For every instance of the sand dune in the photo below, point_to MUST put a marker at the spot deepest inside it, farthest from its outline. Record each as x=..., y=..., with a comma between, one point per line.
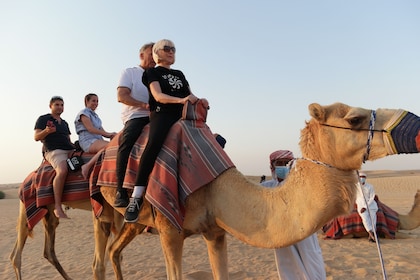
x=143, y=259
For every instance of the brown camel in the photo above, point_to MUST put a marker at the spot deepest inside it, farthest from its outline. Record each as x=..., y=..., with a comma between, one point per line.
x=102, y=231
x=321, y=185
x=332, y=153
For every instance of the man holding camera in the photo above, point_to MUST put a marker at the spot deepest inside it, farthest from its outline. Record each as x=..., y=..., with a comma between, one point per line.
x=54, y=133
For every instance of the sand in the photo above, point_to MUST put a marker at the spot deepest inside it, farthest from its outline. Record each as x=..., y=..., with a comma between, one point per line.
x=143, y=258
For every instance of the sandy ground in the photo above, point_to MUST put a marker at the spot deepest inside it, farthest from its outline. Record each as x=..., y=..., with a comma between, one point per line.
x=143, y=258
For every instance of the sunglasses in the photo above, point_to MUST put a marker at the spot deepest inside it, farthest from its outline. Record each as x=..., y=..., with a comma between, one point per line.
x=168, y=49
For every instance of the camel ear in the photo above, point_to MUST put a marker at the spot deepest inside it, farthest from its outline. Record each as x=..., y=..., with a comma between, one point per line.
x=317, y=112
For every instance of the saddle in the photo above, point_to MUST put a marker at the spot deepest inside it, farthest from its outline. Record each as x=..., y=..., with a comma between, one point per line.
x=190, y=158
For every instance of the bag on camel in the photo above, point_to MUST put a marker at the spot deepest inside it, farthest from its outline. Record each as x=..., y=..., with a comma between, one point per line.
x=75, y=162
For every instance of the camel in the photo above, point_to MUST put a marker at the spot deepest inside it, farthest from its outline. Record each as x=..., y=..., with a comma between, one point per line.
x=335, y=142
x=109, y=223
x=333, y=145
x=408, y=221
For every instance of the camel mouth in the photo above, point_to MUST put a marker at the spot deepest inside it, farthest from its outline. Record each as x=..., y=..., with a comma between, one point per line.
x=403, y=134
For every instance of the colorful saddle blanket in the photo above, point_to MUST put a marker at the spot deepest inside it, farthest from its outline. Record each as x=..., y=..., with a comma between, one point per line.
x=190, y=158
x=36, y=191
x=386, y=223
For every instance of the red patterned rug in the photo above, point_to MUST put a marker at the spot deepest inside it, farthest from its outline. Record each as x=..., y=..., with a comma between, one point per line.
x=386, y=224
x=36, y=191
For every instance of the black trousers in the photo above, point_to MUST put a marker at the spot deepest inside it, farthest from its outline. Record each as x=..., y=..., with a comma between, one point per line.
x=130, y=134
x=160, y=124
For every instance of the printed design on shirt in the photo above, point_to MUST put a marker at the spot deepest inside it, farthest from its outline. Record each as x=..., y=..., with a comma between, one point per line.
x=174, y=81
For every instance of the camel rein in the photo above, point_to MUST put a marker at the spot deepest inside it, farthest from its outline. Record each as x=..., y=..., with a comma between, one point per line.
x=371, y=130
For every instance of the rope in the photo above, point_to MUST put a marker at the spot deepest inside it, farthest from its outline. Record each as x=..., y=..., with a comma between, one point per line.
x=370, y=134
x=316, y=162
x=370, y=130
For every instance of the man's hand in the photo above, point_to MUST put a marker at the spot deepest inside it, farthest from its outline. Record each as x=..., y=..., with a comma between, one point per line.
x=50, y=128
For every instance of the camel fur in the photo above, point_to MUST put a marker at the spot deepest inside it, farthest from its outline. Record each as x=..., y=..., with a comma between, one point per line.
x=320, y=186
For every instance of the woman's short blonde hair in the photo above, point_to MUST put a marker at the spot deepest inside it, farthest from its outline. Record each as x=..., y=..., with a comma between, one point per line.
x=159, y=46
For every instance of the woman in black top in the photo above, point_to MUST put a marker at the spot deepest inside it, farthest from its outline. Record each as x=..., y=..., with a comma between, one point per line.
x=168, y=91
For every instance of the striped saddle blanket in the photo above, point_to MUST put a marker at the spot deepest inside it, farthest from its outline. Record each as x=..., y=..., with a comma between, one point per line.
x=36, y=191
x=386, y=223
x=189, y=159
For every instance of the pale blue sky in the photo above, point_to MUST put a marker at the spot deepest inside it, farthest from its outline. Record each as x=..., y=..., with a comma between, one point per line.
x=259, y=63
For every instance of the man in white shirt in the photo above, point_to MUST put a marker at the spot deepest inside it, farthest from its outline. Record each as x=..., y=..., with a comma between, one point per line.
x=134, y=96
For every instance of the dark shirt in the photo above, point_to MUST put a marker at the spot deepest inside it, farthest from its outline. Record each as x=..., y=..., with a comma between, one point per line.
x=57, y=140
x=172, y=82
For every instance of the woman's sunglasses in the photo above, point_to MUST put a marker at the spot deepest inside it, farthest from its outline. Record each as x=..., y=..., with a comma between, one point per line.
x=168, y=49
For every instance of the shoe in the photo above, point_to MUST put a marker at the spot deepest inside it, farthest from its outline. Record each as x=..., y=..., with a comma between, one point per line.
x=133, y=209
x=121, y=199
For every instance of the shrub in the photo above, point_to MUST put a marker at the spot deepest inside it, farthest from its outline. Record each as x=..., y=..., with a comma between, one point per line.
x=2, y=195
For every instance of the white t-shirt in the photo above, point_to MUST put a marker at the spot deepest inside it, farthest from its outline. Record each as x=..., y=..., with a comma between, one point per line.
x=132, y=78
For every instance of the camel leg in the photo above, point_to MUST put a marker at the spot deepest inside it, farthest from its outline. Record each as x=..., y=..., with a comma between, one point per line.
x=50, y=224
x=172, y=242
x=101, y=230
x=217, y=251
x=22, y=234
x=125, y=236
x=118, y=223
x=109, y=222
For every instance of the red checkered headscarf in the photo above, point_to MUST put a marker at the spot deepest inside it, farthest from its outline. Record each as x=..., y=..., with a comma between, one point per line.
x=281, y=154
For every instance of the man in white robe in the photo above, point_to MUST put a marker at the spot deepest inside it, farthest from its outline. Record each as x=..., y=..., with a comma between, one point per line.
x=366, y=205
x=302, y=260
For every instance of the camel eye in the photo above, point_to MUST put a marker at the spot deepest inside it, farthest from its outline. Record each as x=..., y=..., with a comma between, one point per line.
x=355, y=121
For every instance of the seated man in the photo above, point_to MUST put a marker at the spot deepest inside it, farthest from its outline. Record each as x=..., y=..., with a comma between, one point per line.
x=365, y=199
x=54, y=133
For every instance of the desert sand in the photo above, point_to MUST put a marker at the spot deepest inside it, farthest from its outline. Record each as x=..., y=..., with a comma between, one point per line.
x=348, y=258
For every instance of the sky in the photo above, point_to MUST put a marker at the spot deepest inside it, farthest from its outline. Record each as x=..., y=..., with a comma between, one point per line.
x=258, y=63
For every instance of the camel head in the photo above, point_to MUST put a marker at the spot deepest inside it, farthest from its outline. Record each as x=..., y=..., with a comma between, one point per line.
x=345, y=136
